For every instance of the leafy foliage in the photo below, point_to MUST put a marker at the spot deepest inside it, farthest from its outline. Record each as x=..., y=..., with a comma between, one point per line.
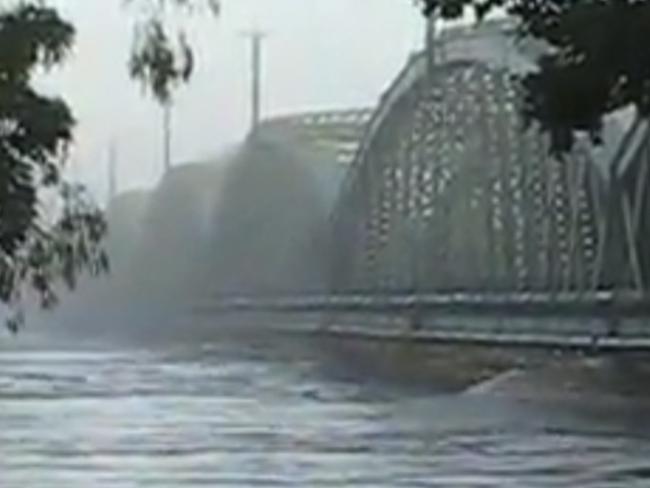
x=157, y=61
x=596, y=63
x=35, y=131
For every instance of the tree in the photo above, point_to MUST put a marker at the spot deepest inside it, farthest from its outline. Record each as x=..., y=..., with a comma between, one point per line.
x=158, y=62
x=596, y=63
x=38, y=253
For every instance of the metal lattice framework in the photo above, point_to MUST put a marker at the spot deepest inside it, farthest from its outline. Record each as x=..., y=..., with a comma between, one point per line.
x=450, y=208
x=337, y=130
x=447, y=193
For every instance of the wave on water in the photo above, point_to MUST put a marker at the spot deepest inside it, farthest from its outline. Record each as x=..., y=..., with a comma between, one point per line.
x=495, y=383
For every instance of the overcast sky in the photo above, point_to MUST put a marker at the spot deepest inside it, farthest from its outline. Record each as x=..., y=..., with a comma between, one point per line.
x=320, y=54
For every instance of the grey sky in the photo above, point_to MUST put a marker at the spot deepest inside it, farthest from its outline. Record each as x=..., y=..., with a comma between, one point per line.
x=320, y=54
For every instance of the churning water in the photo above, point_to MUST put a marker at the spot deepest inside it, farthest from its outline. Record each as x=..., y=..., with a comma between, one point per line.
x=255, y=416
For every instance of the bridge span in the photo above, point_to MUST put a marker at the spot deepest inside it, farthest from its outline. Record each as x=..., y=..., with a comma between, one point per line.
x=449, y=208
x=448, y=195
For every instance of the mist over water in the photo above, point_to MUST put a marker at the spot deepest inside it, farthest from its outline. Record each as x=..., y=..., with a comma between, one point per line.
x=248, y=222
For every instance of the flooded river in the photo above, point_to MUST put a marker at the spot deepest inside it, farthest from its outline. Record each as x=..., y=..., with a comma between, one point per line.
x=257, y=416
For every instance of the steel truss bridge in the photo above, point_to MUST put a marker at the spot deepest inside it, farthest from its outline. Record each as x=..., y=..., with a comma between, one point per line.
x=340, y=131
x=450, y=207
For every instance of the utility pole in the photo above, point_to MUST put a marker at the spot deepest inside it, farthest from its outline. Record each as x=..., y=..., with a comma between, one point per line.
x=430, y=41
x=112, y=171
x=256, y=37
x=167, y=135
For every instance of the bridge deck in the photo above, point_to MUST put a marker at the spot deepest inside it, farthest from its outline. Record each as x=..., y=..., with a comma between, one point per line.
x=521, y=341
x=599, y=322
x=599, y=304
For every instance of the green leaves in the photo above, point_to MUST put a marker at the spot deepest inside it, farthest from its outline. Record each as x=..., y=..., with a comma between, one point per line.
x=597, y=62
x=454, y=9
x=159, y=60
x=32, y=35
x=36, y=256
x=157, y=63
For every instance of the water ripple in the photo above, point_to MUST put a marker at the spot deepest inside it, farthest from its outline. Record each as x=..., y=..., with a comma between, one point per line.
x=139, y=418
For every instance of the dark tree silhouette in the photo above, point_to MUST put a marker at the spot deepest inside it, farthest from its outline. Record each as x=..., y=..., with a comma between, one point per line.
x=162, y=59
x=597, y=61
x=38, y=253
x=40, y=246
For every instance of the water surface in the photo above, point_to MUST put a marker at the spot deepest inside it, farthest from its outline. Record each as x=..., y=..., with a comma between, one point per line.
x=217, y=416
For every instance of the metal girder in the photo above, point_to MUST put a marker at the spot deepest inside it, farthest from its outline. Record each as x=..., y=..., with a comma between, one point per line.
x=445, y=159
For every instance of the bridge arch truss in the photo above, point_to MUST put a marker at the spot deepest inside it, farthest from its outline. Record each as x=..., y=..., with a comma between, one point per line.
x=447, y=193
